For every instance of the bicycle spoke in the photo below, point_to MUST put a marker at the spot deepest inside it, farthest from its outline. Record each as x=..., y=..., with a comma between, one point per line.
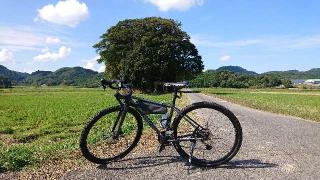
x=112, y=135
x=214, y=130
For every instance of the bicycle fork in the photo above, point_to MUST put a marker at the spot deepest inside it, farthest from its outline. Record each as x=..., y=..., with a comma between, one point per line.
x=116, y=129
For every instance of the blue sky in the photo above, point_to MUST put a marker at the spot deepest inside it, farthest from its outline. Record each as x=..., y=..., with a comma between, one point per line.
x=257, y=35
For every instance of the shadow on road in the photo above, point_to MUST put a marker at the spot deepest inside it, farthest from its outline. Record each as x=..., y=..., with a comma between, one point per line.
x=222, y=93
x=152, y=161
x=250, y=163
x=141, y=162
x=190, y=91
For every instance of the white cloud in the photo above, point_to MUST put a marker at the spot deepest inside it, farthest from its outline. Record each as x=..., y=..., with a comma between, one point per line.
x=25, y=38
x=240, y=43
x=52, y=40
x=46, y=55
x=271, y=43
x=6, y=56
x=90, y=65
x=93, y=64
x=225, y=58
x=19, y=38
x=205, y=41
x=101, y=68
x=68, y=12
x=289, y=42
x=180, y=5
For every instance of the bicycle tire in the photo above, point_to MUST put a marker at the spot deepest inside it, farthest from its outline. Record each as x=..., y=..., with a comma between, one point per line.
x=99, y=116
x=224, y=112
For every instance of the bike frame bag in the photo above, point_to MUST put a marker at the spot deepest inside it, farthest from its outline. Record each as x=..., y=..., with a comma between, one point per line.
x=149, y=107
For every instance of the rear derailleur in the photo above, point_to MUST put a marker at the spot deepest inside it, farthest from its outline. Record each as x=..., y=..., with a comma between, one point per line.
x=202, y=135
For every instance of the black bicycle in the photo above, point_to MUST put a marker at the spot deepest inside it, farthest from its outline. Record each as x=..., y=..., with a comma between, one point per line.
x=204, y=133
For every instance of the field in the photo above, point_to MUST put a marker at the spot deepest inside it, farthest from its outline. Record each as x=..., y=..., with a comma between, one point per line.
x=294, y=102
x=38, y=125
x=41, y=124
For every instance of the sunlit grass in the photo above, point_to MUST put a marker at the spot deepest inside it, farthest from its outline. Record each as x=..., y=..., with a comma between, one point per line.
x=48, y=121
x=295, y=102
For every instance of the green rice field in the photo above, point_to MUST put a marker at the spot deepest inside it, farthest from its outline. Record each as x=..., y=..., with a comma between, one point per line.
x=294, y=102
x=40, y=124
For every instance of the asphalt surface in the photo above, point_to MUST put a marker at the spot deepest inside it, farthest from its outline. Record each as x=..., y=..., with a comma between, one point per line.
x=274, y=147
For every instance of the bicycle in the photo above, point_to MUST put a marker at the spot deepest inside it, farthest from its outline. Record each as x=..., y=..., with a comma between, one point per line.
x=188, y=131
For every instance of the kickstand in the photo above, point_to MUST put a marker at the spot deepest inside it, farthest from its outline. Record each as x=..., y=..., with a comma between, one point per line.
x=193, y=145
x=161, y=148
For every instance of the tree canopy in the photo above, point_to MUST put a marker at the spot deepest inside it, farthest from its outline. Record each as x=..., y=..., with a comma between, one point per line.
x=227, y=79
x=4, y=82
x=148, y=50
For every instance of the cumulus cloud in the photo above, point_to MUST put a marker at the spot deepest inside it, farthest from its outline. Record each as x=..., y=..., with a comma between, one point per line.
x=101, y=68
x=225, y=58
x=52, y=40
x=68, y=12
x=180, y=5
x=93, y=64
x=6, y=56
x=46, y=55
x=90, y=65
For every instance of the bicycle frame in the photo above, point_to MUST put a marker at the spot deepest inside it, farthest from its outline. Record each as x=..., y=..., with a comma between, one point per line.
x=174, y=131
x=125, y=103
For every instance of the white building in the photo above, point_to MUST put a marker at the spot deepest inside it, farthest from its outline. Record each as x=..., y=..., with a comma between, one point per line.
x=298, y=81
x=312, y=81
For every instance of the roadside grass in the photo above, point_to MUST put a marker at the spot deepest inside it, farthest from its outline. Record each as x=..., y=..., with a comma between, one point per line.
x=294, y=102
x=41, y=124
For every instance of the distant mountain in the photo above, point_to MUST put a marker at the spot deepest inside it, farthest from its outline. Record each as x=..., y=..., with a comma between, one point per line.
x=41, y=73
x=295, y=74
x=81, y=77
x=70, y=76
x=290, y=74
x=14, y=76
x=236, y=69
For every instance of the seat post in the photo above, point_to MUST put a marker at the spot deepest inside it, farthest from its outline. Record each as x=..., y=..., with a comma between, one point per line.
x=175, y=93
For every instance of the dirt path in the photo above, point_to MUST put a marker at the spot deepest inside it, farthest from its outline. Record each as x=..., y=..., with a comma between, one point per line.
x=274, y=147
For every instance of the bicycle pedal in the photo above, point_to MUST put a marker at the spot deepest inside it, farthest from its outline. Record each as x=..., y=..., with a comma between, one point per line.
x=162, y=147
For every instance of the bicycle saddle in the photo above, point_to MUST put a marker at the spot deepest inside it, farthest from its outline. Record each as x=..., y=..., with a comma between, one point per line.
x=178, y=85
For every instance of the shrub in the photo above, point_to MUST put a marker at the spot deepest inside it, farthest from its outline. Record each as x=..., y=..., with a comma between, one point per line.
x=6, y=130
x=15, y=158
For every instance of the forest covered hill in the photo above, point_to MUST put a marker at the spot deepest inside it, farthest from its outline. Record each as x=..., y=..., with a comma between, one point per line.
x=81, y=77
x=69, y=76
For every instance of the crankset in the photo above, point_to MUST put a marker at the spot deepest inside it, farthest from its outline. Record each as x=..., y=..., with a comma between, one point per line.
x=164, y=138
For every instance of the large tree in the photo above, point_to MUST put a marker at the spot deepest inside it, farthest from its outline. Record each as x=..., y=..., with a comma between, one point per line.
x=148, y=50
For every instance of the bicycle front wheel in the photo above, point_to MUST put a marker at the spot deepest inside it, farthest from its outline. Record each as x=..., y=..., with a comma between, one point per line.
x=207, y=134
x=100, y=144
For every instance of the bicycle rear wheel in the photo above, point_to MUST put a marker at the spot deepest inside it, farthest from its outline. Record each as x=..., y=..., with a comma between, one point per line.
x=212, y=132
x=100, y=144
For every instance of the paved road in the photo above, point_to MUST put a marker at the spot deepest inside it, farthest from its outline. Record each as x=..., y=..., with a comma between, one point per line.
x=274, y=147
